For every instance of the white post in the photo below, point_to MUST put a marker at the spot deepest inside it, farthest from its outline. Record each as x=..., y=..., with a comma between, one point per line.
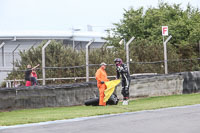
x=7, y=84
x=73, y=47
x=13, y=54
x=127, y=52
x=165, y=57
x=87, y=60
x=124, y=43
x=3, y=57
x=73, y=43
x=165, y=53
x=43, y=62
x=73, y=37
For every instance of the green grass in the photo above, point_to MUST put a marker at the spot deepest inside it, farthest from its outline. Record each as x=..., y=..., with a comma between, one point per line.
x=50, y=114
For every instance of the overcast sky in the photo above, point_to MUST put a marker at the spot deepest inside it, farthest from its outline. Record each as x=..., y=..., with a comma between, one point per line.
x=63, y=15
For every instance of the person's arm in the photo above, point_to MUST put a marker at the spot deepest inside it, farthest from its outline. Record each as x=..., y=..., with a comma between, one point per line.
x=36, y=66
x=118, y=74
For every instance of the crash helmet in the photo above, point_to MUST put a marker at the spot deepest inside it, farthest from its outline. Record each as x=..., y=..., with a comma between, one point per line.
x=118, y=60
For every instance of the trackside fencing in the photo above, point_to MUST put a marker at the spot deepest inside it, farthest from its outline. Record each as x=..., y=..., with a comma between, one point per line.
x=74, y=78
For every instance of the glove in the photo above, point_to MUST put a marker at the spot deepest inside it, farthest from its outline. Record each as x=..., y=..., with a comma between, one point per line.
x=102, y=82
x=119, y=68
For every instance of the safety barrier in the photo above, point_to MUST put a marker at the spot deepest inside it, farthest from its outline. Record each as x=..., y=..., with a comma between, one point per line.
x=76, y=94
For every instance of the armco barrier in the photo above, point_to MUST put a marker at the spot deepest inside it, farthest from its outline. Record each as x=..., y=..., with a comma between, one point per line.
x=161, y=85
x=191, y=82
x=76, y=94
x=47, y=96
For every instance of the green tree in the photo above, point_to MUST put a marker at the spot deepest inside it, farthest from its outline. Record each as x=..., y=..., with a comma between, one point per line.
x=145, y=26
x=184, y=25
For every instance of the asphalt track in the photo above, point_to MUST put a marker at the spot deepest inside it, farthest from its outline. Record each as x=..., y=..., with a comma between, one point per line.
x=185, y=119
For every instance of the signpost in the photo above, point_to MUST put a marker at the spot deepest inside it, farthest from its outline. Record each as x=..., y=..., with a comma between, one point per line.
x=165, y=33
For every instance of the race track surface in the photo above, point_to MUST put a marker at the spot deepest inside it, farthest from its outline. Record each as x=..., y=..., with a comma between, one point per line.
x=184, y=119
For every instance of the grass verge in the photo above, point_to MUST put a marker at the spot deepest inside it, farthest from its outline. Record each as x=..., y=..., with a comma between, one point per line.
x=50, y=114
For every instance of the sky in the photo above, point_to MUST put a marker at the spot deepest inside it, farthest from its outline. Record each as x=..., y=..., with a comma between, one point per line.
x=65, y=15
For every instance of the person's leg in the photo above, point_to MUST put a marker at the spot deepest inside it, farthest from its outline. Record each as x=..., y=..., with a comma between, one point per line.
x=125, y=89
x=33, y=81
x=102, y=88
x=126, y=95
x=123, y=92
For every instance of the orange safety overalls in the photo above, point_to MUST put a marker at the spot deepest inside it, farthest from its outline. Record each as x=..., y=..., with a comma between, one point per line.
x=101, y=75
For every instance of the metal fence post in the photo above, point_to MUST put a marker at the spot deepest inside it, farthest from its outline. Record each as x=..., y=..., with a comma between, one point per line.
x=13, y=54
x=165, y=53
x=127, y=52
x=87, y=60
x=3, y=57
x=43, y=62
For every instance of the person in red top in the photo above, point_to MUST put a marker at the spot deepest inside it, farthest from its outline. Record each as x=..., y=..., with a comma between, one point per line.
x=34, y=74
x=101, y=77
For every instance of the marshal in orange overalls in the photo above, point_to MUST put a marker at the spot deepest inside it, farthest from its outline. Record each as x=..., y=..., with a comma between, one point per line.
x=101, y=75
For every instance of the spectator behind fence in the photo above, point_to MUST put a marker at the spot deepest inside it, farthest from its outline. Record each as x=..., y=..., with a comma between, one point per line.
x=16, y=83
x=34, y=74
x=29, y=76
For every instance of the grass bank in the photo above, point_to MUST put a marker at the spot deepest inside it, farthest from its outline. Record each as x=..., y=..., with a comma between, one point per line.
x=50, y=114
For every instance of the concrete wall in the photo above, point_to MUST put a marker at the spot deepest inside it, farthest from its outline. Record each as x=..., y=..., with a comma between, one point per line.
x=191, y=82
x=76, y=94
x=46, y=96
x=154, y=86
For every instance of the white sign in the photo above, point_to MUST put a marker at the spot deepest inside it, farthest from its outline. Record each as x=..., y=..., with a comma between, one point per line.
x=165, y=30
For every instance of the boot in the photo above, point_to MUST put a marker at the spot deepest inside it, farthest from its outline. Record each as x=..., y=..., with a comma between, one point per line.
x=125, y=102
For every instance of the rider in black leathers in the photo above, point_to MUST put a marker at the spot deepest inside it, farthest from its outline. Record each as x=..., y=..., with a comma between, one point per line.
x=122, y=70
